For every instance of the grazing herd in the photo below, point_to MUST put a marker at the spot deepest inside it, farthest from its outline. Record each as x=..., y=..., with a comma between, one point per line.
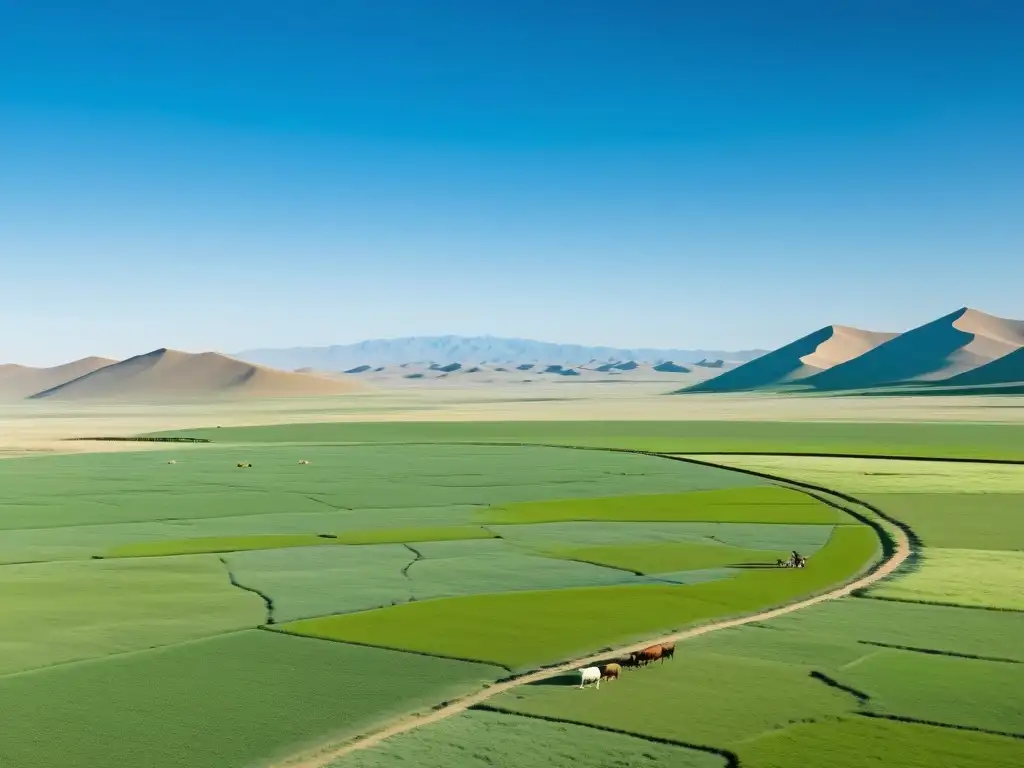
x=612, y=670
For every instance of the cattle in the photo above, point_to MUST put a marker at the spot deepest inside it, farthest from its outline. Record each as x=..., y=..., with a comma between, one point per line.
x=647, y=655
x=611, y=671
x=590, y=675
x=243, y=464
x=303, y=461
x=668, y=651
x=172, y=461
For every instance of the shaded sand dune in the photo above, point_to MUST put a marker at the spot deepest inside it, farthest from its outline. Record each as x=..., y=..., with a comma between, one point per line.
x=19, y=381
x=669, y=367
x=952, y=345
x=1008, y=369
x=166, y=374
x=819, y=351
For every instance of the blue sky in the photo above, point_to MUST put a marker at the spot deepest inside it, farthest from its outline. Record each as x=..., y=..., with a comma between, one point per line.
x=223, y=175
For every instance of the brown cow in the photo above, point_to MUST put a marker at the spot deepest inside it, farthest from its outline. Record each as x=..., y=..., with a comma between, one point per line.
x=668, y=651
x=611, y=671
x=647, y=655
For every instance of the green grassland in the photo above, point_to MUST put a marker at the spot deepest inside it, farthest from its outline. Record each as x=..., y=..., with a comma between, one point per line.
x=234, y=700
x=857, y=742
x=767, y=504
x=988, y=695
x=772, y=536
x=971, y=440
x=523, y=629
x=660, y=558
x=480, y=739
x=875, y=476
x=58, y=612
x=959, y=520
x=288, y=541
x=970, y=577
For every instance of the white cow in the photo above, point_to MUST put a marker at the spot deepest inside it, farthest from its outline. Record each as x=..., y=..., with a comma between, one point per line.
x=590, y=675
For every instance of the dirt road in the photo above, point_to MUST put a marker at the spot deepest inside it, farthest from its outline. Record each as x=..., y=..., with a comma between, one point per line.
x=324, y=758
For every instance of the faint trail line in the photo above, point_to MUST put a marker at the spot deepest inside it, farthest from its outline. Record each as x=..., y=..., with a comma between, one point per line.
x=267, y=601
x=896, y=540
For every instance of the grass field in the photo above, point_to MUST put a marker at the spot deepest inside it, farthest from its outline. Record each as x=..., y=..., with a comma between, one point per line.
x=767, y=504
x=660, y=558
x=959, y=520
x=873, y=476
x=523, y=629
x=858, y=741
x=459, y=551
x=289, y=541
x=941, y=689
x=479, y=739
x=970, y=440
x=970, y=577
x=58, y=612
x=228, y=701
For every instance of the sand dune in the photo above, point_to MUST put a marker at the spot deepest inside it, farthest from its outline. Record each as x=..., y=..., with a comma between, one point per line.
x=20, y=381
x=1008, y=369
x=170, y=375
x=952, y=345
x=669, y=367
x=817, y=352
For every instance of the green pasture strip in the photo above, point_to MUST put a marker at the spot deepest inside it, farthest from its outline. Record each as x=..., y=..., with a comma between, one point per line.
x=287, y=541
x=806, y=539
x=970, y=577
x=226, y=702
x=659, y=558
x=766, y=504
x=697, y=698
x=970, y=440
x=312, y=581
x=103, y=489
x=878, y=476
x=482, y=739
x=414, y=535
x=53, y=613
x=959, y=520
x=855, y=742
x=217, y=544
x=526, y=629
x=834, y=633
x=974, y=693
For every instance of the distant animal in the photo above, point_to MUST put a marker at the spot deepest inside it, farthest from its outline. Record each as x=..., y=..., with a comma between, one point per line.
x=172, y=461
x=590, y=675
x=611, y=671
x=303, y=461
x=647, y=655
x=668, y=651
x=243, y=464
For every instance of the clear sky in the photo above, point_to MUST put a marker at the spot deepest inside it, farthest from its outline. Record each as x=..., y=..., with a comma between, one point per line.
x=224, y=175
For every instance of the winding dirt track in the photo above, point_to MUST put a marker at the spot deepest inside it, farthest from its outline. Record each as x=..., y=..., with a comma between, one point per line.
x=408, y=723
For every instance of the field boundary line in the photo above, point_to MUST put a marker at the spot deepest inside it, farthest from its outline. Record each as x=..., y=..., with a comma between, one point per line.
x=731, y=759
x=898, y=543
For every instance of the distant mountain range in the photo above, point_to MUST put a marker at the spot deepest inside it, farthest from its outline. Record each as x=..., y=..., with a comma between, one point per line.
x=966, y=350
x=473, y=350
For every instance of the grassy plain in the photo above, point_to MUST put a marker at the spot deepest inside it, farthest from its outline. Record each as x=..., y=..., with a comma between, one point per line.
x=765, y=504
x=969, y=577
x=660, y=558
x=959, y=520
x=972, y=440
x=54, y=613
x=884, y=476
x=234, y=700
x=853, y=742
x=524, y=629
x=480, y=739
x=941, y=689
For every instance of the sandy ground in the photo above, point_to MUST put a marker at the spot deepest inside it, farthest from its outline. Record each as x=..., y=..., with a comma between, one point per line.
x=325, y=757
x=29, y=427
